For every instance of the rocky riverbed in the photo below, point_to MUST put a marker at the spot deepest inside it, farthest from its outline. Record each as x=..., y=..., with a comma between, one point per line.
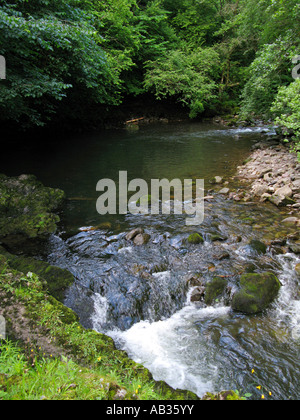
x=273, y=173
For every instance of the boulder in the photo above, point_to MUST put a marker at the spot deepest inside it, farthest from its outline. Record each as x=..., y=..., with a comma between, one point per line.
x=284, y=191
x=214, y=237
x=257, y=292
x=258, y=246
x=278, y=200
x=131, y=235
x=141, y=239
x=214, y=290
x=258, y=190
x=297, y=269
x=26, y=209
x=195, y=239
x=295, y=248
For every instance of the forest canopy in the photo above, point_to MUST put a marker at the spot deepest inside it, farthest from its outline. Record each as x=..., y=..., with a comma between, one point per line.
x=71, y=59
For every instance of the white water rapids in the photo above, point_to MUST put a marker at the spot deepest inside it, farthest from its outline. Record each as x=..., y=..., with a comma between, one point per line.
x=205, y=349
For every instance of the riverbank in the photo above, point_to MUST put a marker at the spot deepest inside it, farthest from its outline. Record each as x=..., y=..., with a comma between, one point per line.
x=45, y=336
x=48, y=354
x=272, y=173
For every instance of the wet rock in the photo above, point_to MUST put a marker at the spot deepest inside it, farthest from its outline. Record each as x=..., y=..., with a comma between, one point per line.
x=141, y=239
x=224, y=191
x=215, y=289
x=297, y=269
x=194, y=280
x=198, y=294
x=258, y=246
x=257, y=292
x=249, y=268
x=131, y=235
x=195, y=239
x=217, y=180
x=295, y=248
x=214, y=237
x=222, y=255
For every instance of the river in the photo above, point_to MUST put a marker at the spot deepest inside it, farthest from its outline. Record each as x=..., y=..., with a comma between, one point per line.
x=140, y=296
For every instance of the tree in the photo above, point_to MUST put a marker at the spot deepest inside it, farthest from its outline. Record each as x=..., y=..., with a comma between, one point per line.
x=286, y=108
x=187, y=76
x=52, y=54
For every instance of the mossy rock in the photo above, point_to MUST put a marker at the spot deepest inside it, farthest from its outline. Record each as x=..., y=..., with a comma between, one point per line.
x=258, y=246
x=214, y=290
x=257, y=292
x=195, y=239
x=26, y=208
x=56, y=279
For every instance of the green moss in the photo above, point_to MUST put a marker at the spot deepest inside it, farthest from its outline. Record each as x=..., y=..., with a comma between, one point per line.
x=223, y=396
x=257, y=292
x=214, y=289
x=195, y=239
x=26, y=208
x=258, y=246
x=56, y=279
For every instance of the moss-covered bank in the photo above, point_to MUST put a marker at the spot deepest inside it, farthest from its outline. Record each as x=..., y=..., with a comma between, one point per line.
x=26, y=210
x=44, y=328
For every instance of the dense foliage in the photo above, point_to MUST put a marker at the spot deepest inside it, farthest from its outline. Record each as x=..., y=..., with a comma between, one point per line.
x=72, y=59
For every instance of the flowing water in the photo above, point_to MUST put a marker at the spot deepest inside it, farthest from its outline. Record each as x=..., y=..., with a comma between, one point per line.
x=141, y=296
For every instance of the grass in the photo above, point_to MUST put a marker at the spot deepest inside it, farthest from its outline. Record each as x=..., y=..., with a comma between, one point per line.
x=39, y=378
x=53, y=357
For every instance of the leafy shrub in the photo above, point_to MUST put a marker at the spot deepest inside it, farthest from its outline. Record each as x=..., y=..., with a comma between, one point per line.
x=287, y=109
x=190, y=77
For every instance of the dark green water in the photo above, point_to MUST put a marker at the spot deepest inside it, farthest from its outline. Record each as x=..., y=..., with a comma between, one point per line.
x=189, y=345
x=155, y=152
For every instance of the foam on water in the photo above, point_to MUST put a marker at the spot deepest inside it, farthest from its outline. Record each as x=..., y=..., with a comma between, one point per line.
x=166, y=349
